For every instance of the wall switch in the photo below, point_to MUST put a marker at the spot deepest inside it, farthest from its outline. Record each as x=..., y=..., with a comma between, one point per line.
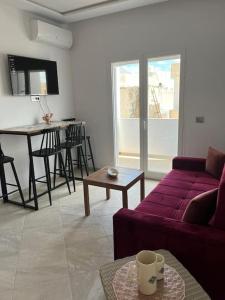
x=200, y=119
x=35, y=98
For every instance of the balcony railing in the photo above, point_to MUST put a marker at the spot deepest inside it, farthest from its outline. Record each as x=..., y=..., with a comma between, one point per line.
x=162, y=137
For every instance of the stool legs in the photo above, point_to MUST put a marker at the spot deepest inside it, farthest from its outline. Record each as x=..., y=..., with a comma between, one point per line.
x=18, y=183
x=91, y=153
x=64, y=171
x=68, y=161
x=79, y=162
x=48, y=178
x=3, y=183
x=84, y=160
x=69, y=155
x=58, y=156
x=55, y=169
x=32, y=173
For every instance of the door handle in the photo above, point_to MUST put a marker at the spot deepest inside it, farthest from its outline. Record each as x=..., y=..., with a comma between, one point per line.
x=145, y=124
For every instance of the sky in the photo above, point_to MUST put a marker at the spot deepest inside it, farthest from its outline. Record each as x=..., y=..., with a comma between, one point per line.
x=159, y=72
x=162, y=65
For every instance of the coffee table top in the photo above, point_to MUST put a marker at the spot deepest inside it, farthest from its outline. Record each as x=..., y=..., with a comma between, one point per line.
x=126, y=178
x=193, y=289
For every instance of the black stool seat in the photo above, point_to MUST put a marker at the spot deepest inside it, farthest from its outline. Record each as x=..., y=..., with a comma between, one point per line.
x=6, y=159
x=68, y=145
x=46, y=152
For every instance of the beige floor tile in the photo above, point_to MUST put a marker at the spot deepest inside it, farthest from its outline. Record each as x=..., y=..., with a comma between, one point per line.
x=42, y=238
x=59, y=289
x=7, y=278
x=49, y=256
x=6, y=294
x=87, y=286
x=12, y=221
x=9, y=242
x=75, y=219
x=89, y=255
x=30, y=277
x=55, y=253
x=46, y=217
x=87, y=233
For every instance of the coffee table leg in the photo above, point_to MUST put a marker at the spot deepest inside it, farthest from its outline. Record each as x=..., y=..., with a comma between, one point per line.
x=86, y=199
x=108, y=194
x=125, y=199
x=142, y=186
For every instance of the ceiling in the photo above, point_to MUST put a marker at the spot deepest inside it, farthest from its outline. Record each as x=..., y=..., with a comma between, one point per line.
x=64, y=7
x=68, y=11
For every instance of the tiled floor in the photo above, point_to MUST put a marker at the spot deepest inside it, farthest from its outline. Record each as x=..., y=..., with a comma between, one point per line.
x=55, y=253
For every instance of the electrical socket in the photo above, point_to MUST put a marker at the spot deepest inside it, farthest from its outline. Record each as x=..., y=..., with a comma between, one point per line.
x=35, y=98
x=200, y=119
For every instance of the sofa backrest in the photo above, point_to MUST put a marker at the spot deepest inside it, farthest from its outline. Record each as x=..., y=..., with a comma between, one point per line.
x=219, y=217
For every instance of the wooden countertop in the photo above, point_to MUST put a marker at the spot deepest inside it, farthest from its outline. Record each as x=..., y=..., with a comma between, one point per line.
x=37, y=128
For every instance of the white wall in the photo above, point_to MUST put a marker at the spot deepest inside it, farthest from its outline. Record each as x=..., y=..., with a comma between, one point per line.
x=196, y=28
x=14, y=111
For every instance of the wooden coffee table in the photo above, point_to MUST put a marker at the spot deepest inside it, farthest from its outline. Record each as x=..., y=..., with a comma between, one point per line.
x=126, y=179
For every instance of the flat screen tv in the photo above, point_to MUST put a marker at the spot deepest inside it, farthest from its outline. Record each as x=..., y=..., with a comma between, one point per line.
x=30, y=76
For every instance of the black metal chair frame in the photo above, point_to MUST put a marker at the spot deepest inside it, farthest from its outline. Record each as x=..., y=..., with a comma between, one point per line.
x=50, y=146
x=86, y=140
x=4, y=160
x=73, y=141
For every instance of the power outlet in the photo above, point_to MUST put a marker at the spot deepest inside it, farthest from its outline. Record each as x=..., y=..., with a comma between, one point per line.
x=200, y=119
x=35, y=98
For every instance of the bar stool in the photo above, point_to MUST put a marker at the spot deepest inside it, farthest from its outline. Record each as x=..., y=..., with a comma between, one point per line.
x=4, y=160
x=50, y=146
x=89, y=155
x=74, y=141
x=86, y=140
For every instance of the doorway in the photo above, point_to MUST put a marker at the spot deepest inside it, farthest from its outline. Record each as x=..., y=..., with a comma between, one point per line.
x=147, y=126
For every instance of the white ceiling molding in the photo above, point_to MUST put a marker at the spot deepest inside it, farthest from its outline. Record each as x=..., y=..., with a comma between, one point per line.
x=36, y=9
x=100, y=9
x=69, y=5
x=108, y=8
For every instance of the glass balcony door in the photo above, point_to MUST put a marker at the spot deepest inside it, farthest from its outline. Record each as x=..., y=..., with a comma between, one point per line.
x=146, y=113
x=126, y=96
x=162, y=125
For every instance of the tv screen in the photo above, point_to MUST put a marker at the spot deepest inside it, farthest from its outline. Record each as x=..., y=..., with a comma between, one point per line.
x=30, y=76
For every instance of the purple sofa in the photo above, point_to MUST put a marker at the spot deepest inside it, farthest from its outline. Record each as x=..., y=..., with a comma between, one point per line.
x=156, y=224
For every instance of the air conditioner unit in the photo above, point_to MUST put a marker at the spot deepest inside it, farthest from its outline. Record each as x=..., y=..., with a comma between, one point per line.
x=54, y=35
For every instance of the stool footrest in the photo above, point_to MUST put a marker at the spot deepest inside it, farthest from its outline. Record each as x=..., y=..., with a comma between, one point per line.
x=9, y=193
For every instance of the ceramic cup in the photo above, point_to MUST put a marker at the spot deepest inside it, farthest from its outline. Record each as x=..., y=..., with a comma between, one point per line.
x=146, y=271
x=160, y=266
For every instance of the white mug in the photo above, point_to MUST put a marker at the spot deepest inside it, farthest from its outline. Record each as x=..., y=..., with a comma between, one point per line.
x=160, y=266
x=146, y=272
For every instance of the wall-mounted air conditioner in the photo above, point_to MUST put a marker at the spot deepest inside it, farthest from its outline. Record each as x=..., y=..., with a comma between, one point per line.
x=54, y=35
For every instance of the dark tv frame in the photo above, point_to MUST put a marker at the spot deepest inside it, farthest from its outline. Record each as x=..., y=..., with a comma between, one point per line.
x=27, y=64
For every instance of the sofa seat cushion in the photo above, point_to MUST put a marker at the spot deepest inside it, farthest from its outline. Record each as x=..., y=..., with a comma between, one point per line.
x=172, y=195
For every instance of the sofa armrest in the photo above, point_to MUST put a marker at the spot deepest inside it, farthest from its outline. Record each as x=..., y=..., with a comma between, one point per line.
x=189, y=163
